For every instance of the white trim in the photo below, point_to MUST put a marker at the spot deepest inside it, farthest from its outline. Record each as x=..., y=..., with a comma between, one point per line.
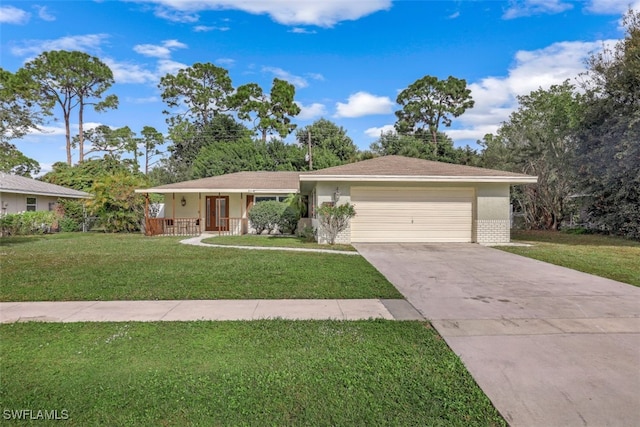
x=40, y=193
x=425, y=178
x=217, y=190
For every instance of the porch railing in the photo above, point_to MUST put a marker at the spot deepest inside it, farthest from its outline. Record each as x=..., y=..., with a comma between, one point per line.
x=172, y=226
x=191, y=227
x=231, y=227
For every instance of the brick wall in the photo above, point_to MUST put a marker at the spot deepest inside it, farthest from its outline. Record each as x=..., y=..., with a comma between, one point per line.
x=344, y=237
x=493, y=231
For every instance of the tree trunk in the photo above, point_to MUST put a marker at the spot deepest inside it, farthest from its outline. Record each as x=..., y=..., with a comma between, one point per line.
x=80, y=134
x=68, y=136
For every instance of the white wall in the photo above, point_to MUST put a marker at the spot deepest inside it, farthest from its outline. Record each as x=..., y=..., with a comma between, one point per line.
x=14, y=202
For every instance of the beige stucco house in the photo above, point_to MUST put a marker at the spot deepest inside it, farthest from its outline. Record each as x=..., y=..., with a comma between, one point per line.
x=397, y=199
x=20, y=194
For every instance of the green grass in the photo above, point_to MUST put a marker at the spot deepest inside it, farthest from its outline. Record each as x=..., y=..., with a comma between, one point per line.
x=606, y=256
x=302, y=373
x=274, y=241
x=98, y=266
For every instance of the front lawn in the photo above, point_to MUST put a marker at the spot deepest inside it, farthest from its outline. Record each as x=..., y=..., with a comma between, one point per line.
x=281, y=373
x=273, y=242
x=606, y=256
x=97, y=266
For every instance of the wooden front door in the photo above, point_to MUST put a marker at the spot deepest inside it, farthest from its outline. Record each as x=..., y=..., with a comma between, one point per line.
x=217, y=213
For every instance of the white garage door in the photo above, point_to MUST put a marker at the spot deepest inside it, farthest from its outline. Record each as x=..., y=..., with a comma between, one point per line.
x=411, y=214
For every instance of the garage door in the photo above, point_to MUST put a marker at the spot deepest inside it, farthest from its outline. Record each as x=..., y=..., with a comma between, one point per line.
x=411, y=214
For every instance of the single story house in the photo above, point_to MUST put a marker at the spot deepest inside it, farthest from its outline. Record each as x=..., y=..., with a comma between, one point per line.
x=397, y=199
x=21, y=194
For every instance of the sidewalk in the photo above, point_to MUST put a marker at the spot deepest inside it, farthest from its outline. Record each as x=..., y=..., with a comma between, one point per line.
x=153, y=311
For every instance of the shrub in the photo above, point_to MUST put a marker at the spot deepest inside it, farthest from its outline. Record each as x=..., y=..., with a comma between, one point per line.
x=272, y=215
x=288, y=221
x=68, y=225
x=308, y=234
x=265, y=215
x=335, y=219
x=37, y=222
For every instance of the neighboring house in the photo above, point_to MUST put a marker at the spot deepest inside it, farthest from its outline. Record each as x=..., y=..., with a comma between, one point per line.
x=20, y=194
x=397, y=199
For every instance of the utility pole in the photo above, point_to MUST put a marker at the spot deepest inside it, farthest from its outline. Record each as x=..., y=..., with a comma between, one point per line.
x=309, y=155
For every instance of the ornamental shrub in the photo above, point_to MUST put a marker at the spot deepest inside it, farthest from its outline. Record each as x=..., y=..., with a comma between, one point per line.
x=335, y=219
x=272, y=215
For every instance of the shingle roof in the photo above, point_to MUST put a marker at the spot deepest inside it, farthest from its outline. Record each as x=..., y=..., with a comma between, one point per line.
x=19, y=184
x=279, y=182
x=408, y=166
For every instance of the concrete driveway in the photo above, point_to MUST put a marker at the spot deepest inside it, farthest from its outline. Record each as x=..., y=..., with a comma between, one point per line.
x=550, y=346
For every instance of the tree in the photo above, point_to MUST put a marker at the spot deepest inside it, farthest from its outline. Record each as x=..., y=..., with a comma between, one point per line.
x=608, y=140
x=14, y=162
x=392, y=143
x=428, y=102
x=334, y=220
x=70, y=80
x=330, y=145
x=228, y=157
x=115, y=143
x=200, y=92
x=115, y=202
x=19, y=109
x=222, y=128
x=272, y=113
x=540, y=135
x=151, y=140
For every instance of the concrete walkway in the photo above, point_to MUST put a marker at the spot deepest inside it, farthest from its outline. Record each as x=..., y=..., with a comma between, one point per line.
x=197, y=241
x=550, y=346
x=152, y=311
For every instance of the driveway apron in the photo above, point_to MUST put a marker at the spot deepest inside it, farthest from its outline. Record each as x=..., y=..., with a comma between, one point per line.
x=549, y=346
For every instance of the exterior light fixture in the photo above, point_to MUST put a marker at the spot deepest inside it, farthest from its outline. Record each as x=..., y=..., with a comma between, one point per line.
x=183, y=201
x=336, y=195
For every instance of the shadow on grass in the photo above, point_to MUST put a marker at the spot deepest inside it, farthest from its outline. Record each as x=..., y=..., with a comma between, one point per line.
x=567, y=238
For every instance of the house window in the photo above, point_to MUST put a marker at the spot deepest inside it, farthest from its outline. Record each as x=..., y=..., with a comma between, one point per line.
x=259, y=199
x=32, y=204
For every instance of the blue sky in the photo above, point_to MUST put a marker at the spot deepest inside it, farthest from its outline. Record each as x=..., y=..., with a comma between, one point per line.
x=348, y=59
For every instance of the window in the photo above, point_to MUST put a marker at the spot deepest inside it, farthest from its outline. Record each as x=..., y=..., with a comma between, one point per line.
x=259, y=199
x=32, y=204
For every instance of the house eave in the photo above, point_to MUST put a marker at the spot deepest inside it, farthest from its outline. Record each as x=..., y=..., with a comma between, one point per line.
x=426, y=179
x=219, y=190
x=44, y=193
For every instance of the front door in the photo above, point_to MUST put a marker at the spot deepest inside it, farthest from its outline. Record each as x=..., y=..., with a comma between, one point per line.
x=217, y=215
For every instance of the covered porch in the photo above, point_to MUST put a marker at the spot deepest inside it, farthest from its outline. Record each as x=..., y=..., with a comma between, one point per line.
x=216, y=205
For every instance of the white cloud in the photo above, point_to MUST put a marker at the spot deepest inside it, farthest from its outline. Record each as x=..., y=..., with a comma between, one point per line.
x=167, y=66
x=309, y=112
x=205, y=28
x=13, y=15
x=375, y=132
x=227, y=62
x=324, y=13
x=520, y=8
x=130, y=73
x=147, y=100
x=496, y=97
x=297, y=81
x=315, y=76
x=85, y=43
x=159, y=51
x=364, y=104
x=298, y=30
x=44, y=14
x=612, y=7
